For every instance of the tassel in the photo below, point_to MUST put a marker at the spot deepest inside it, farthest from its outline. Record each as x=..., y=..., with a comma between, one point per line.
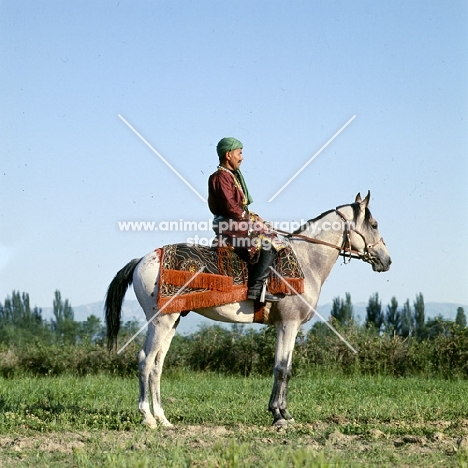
x=201, y=281
x=198, y=300
x=276, y=286
x=259, y=312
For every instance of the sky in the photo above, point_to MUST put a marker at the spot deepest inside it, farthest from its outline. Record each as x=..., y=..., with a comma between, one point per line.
x=94, y=95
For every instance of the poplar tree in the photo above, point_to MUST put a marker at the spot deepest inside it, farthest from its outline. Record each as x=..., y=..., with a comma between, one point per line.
x=19, y=323
x=343, y=311
x=460, y=319
x=406, y=323
x=419, y=317
x=392, y=317
x=374, y=314
x=64, y=325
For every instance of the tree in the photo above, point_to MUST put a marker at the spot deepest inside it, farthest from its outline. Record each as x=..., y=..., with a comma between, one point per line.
x=392, y=317
x=460, y=319
x=92, y=330
x=320, y=329
x=64, y=324
x=406, y=322
x=419, y=317
x=374, y=314
x=343, y=311
x=17, y=311
x=19, y=323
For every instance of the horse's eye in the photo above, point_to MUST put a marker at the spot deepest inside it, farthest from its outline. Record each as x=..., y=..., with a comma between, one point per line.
x=374, y=224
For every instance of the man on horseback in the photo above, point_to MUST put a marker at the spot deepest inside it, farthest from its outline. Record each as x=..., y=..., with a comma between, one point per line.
x=236, y=226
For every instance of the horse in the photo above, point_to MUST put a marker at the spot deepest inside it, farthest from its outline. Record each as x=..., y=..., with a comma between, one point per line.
x=349, y=230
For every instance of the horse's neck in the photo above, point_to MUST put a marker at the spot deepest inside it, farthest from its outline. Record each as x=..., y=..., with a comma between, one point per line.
x=319, y=258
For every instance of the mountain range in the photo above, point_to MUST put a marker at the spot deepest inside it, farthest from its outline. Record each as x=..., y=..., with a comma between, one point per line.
x=131, y=310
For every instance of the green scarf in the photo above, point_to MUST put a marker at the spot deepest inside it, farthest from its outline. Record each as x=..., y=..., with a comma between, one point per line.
x=240, y=177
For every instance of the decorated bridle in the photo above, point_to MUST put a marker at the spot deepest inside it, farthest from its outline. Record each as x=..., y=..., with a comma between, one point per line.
x=345, y=250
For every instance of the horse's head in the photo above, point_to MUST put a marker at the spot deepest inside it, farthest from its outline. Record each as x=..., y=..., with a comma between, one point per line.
x=365, y=237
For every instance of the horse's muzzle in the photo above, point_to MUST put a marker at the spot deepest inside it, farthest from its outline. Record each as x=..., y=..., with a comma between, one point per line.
x=380, y=264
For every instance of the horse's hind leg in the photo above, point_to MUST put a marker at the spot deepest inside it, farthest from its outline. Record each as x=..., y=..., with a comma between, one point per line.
x=156, y=371
x=145, y=363
x=150, y=362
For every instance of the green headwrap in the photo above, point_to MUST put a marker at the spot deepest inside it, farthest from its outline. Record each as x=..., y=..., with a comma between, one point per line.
x=227, y=144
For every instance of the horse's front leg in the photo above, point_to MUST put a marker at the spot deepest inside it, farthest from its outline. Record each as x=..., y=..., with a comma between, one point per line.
x=286, y=338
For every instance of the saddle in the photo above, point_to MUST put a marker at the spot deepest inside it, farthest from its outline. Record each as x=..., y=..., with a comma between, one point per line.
x=194, y=276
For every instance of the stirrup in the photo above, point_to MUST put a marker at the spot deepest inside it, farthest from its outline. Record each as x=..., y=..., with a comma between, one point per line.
x=268, y=298
x=263, y=297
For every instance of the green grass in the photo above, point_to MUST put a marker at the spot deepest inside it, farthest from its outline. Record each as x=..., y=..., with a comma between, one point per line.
x=223, y=421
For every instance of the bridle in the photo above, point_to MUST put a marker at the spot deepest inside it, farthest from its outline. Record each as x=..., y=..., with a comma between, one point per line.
x=365, y=255
x=345, y=250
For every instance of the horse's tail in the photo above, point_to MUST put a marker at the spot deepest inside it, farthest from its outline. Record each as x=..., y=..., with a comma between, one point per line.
x=114, y=299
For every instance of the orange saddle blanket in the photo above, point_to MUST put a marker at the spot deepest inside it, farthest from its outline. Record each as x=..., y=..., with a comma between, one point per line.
x=193, y=277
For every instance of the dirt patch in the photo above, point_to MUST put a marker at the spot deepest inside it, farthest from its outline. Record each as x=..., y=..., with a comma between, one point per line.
x=63, y=442
x=336, y=438
x=323, y=436
x=196, y=431
x=327, y=438
x=375, y=434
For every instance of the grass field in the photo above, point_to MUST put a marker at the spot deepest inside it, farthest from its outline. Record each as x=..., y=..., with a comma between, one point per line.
x=222, y=421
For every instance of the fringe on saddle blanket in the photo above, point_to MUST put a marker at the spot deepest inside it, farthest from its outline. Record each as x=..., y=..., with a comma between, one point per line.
x=223, y=279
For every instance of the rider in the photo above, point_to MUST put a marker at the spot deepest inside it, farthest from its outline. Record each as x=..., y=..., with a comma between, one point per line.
x=237, y=227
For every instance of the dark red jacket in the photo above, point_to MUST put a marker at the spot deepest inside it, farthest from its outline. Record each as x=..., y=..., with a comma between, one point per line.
x=225, y=197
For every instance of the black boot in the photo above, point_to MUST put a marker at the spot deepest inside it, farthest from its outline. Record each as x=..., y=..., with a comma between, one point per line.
x=258, y=275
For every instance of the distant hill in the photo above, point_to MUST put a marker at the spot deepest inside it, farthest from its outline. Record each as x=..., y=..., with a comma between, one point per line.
x=192, y=322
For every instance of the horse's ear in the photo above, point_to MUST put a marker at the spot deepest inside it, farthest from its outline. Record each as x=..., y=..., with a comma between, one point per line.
x=364, y=203
x=358, y=198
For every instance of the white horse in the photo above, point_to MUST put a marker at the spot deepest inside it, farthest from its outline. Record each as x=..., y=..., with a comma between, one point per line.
x=347, y=229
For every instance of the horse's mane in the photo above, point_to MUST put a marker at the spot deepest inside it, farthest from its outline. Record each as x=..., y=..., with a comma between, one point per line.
x=310, y=221
x=354, y=206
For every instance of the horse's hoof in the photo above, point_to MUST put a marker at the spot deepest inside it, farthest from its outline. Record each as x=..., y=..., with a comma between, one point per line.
x=287, y=415
x=280, y=423
x=161, y=419
x=150, y=423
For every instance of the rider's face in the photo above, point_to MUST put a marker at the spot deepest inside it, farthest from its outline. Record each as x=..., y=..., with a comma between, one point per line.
x=234, y=159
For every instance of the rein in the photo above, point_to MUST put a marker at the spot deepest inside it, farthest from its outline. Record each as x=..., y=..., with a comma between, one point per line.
x=345, y=250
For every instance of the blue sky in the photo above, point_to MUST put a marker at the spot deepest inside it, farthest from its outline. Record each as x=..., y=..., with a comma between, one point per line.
x=281, y=76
